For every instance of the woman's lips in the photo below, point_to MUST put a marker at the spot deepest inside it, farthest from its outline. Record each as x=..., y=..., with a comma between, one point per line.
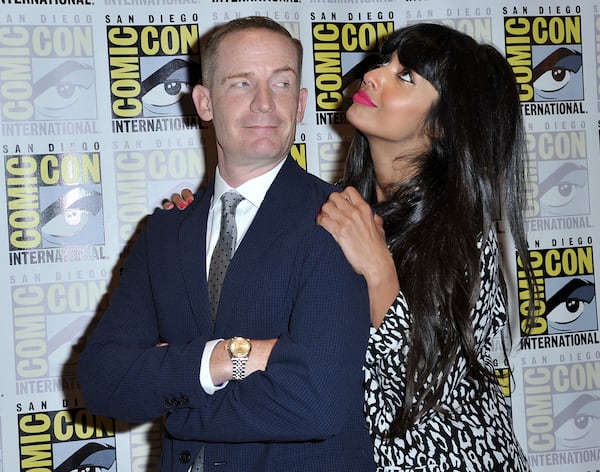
x=362, y=98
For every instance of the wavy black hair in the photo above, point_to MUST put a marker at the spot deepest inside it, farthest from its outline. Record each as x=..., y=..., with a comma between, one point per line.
x=472, y=175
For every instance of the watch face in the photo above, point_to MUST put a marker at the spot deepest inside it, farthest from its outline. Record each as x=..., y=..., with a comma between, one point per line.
x=239, y=347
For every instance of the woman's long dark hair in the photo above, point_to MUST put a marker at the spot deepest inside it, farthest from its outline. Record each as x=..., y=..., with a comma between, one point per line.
x=473, y=174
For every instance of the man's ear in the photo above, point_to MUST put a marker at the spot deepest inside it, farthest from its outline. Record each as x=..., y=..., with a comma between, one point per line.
x=202, y=102
x=301, y=105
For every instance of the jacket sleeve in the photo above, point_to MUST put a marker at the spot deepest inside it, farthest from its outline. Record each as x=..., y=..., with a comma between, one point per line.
x=121, y=371
x=313, y=381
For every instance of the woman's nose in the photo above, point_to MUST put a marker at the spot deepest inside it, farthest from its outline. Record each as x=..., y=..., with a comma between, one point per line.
x=370, y=77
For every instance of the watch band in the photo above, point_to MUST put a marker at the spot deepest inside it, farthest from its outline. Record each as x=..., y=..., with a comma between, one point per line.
x=239, y=367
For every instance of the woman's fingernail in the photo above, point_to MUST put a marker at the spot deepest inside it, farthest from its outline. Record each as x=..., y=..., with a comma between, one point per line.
x=182, y=205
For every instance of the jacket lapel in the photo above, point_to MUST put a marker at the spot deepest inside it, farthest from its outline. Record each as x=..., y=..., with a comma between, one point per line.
x=192, y=257
x=278, y=211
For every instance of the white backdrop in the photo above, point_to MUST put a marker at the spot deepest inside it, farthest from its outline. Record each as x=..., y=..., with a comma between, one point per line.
x=97, y=128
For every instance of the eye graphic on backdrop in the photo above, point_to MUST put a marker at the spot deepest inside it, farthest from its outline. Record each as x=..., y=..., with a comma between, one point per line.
x=563, y=191
x=69, y=214
x=168, y=90
x=555, y=73
x=568, y=304
x=578, y=425
x=62, y=90
x=92, y=457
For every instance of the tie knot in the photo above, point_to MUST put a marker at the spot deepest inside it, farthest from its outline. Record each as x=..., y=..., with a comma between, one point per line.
x=231, y=200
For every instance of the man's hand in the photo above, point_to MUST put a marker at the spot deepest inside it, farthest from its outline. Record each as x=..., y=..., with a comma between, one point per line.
x=221, y=369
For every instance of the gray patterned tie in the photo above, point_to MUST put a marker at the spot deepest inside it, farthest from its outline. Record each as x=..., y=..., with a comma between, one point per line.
x=224, y=248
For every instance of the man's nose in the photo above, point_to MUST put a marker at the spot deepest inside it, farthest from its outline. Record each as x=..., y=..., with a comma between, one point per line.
x=263, y=100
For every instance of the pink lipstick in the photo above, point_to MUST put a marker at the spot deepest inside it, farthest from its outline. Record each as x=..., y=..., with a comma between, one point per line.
x=362, y=98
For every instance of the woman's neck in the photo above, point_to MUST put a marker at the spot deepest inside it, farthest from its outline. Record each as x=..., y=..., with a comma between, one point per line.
x=393, y=164
x=391, y=172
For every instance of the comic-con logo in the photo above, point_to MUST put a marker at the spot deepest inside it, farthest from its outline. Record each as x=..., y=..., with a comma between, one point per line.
x=298, y=153
x=561, y=413
x=48, y=320
x=340, y=53
x=545, y=53
x=153, y=69
x=331, y=150
x=503, y=376
x=54, y=200
x=166, y=171
x=66, y=440
x=558, y=180
x=564, y=300
x=47, y=73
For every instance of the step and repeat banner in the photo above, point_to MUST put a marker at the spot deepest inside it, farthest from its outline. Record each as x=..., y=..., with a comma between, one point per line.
x=97, y=128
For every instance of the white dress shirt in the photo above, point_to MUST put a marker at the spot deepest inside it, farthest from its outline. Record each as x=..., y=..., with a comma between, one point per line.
x=254, y=192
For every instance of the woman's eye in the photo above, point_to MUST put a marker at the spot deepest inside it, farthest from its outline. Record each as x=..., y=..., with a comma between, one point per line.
x=405, y=76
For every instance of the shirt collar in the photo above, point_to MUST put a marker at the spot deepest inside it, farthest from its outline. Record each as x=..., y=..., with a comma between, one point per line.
x=253, y=190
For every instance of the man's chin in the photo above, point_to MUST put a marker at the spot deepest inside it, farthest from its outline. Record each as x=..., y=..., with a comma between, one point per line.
x=267, y=148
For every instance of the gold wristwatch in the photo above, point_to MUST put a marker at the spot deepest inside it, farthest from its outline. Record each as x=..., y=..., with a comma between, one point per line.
x=239, y=349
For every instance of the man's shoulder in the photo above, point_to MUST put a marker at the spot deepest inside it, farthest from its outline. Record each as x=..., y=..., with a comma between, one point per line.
x=306, y=183
x=165, y=221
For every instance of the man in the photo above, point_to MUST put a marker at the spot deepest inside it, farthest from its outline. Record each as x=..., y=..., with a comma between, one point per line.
x=157, y=351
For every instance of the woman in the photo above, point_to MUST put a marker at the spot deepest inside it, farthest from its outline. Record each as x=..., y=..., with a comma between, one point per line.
x=438, y=148
x=437, y=154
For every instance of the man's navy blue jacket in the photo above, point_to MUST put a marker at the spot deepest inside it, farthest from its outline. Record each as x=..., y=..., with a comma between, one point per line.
x=288, y=279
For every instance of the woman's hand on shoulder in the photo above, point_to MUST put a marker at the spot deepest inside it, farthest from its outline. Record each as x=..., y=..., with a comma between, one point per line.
x=180, y=201
x=356, y=228
x=360, y=234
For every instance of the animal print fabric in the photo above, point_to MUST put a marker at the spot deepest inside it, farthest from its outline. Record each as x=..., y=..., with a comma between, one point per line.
x=475, y=433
